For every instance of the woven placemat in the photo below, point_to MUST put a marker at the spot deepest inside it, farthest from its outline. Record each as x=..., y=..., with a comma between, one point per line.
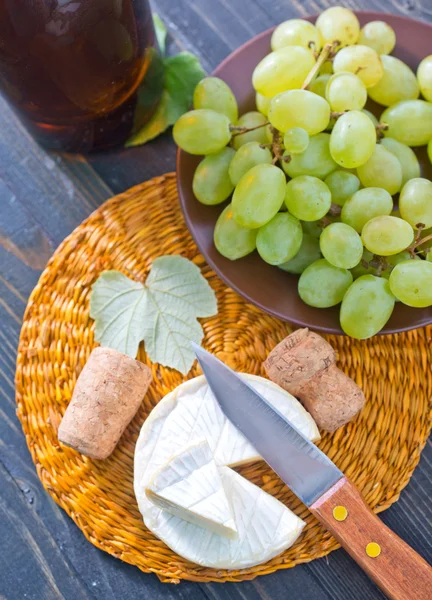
x=378, y=450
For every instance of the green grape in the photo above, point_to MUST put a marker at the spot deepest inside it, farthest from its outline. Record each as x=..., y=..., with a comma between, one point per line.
x=364, y=205
x=215, y=94
x=211, y=183
x=296, y=32
x=395, y=259
x=415, y=202
x=318, y=85
x=309, y=252
x=382, y=169
x=281, y=70
x=371, y=116
x=411, y=282
x=296, y=140
x=406, y=157
x=316, y=160
x=342, y=185
x=299, y=108
x=251, y=119
x=307, y=198
x=346, y=91
x=323, y=285
x=341, y=245
x=379, y=36
x=326, y=69
x=353, y=139
x=247, y=156
x=409, y=122
x=262, y=103
x=280, y=239
x=362, y=61
x=258, y=196
x=338, y=24
x=429, y=150
x=312, y=228
x=386, y=235
x=202, y=131
x=231, y=239
x=360, y=269
x=366, y=307
x=424, y=76
x=397, y=83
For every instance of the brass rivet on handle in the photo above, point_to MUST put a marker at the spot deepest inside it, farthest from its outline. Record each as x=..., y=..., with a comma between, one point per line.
x=340, y=513
x=373, y=549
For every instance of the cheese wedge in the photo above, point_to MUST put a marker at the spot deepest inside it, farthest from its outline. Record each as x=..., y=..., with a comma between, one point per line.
x=189, y=414
x=190, y=487
x=265, y=528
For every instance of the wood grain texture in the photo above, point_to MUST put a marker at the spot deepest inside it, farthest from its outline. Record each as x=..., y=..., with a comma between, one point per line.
x=42, y=198
x=397, y=569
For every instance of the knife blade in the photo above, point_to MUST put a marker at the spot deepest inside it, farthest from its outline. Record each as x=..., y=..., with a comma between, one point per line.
x=306, y=470
x=395, y=567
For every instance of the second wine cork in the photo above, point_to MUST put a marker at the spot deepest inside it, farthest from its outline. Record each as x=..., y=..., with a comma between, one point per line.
x=304, y=365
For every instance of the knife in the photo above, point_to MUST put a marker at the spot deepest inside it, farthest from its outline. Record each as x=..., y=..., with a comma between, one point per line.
x=395, y=567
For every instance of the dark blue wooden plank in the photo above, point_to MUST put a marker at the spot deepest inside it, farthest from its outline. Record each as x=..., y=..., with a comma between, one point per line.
x=28, y=553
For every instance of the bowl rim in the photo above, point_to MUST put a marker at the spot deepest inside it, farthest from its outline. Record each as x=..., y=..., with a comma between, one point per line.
x=374, y=15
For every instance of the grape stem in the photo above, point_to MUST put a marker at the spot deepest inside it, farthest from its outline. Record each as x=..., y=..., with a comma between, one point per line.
x=324, y=222
x=425, y=239
x=418, y=240
x=311, y=47
x=380, y=128
x=335, y=210
x=241, y=130
x=277, y=147
x=378, y=263
x=324, y=55
x=382, y=265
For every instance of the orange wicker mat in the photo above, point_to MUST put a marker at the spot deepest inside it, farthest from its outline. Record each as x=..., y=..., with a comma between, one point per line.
x=378, y=450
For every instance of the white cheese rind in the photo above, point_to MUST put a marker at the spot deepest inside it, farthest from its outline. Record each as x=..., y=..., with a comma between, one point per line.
x=188, y=414
x=190, y=487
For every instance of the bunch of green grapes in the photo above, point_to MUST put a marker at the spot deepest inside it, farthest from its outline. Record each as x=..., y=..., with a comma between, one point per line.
x=312, y=180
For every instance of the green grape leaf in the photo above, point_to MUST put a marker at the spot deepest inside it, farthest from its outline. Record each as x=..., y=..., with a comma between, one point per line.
x=182, y=73
x=163, y=312
x=118, y=306
x=160, y=31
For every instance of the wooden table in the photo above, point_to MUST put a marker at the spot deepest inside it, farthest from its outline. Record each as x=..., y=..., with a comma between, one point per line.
x=43, y=197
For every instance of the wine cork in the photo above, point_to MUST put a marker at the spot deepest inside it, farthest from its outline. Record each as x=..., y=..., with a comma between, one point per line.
x=106, y=397
x=304, y=365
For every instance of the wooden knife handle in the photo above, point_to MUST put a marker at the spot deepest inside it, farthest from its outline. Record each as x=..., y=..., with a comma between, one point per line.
x=393, y=565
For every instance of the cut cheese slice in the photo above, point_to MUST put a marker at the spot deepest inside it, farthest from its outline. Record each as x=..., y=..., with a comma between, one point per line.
x=190, y=487
x=265, y=528
x=188, y=414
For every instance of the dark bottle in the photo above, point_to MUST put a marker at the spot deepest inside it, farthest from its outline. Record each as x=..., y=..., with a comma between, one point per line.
x=71, y=69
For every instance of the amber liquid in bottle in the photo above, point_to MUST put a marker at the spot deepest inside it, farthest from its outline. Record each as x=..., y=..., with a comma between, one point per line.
x=71, y=68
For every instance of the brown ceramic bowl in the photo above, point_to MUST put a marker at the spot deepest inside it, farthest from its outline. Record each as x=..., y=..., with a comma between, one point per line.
x=273, y=290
